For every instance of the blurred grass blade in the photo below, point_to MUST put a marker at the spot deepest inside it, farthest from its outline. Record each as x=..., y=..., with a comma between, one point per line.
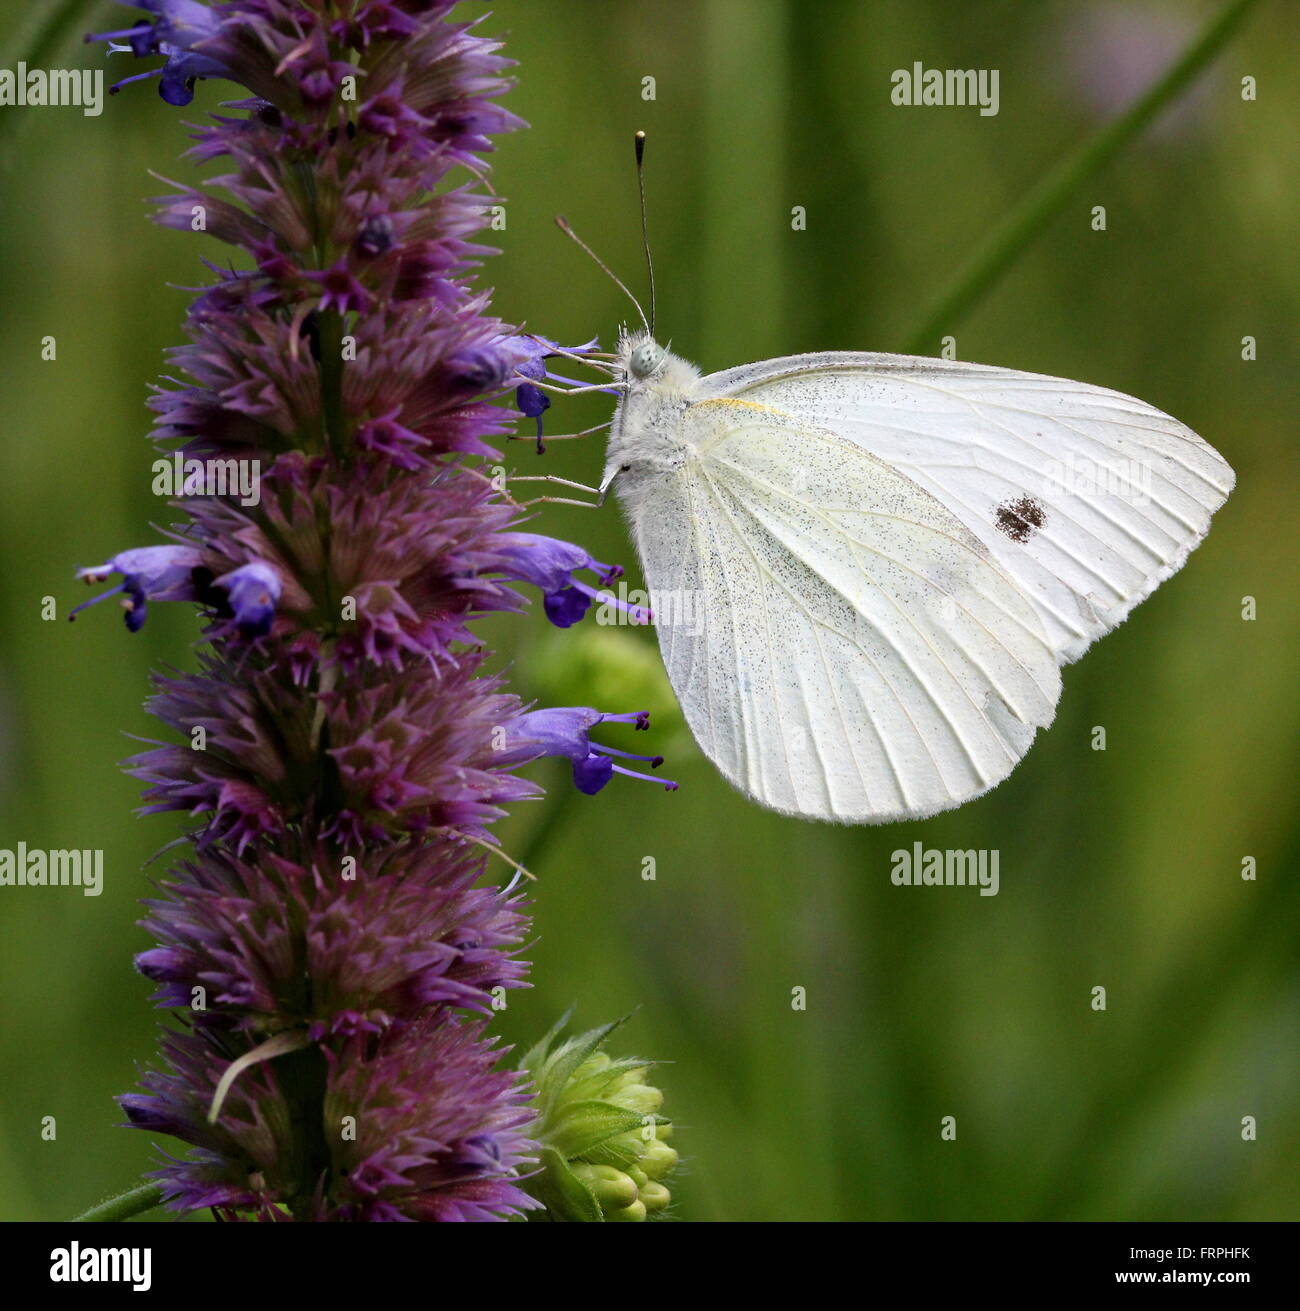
x=1049, y=197
x=41, y=35
x=44, y=31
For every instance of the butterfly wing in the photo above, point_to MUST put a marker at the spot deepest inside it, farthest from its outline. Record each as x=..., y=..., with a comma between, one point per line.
x=1088, y=499
x=856, y=654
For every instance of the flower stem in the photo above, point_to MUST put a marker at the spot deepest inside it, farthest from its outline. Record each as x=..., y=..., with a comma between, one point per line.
x=143, y=1197
x=331, y=375
x=1020, y=228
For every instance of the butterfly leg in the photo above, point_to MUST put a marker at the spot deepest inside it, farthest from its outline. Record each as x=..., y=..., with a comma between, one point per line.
x=561, y=482
x=574, y=391
x=562, y=500
x=562, y=436
x=593, y=359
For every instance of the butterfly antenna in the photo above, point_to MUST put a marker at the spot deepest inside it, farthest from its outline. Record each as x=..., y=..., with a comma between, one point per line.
x=645, y=231
x=563, y=224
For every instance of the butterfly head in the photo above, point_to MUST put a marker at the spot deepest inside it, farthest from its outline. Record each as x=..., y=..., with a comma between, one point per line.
x=646, y=359
x=646, y=365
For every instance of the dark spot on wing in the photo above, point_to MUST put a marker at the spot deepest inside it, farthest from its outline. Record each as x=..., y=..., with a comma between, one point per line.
x=1021, y=519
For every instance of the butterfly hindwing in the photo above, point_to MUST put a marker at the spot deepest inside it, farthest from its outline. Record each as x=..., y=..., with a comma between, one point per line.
x=857, y=655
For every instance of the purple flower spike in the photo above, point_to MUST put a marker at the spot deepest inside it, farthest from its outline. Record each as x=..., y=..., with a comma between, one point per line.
x=336, y=938
x=567, y=732
x=149, y=573
x=551, y=565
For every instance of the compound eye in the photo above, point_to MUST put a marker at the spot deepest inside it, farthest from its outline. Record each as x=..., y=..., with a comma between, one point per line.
x=646, y=359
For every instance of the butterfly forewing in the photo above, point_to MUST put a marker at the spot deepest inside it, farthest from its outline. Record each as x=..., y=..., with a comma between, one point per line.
x=1087, y=498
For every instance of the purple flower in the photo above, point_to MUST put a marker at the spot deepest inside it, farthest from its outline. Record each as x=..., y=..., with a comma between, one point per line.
x=177, y=27
x=385, y=436
x=245, y=597
x=252, y=591
x=340, y=290
x=375, y=237
x=567, y=732
x=149, y=573
x=178, y=24
x=552, y=565
x=388, y=115
x=479, y=369
x=376, y=19
x=531, y=401
x=531, y=353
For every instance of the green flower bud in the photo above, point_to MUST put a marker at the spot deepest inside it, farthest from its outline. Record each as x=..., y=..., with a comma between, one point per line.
x=641, y=1097
x=658, y=1159
x=603, y=1156
x=636, y=1211
x=612, y=1188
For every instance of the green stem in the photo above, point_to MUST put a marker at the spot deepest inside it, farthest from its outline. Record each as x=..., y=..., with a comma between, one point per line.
x=143, y=1197
x=330, y=323
x=556, y=809
x=1048, y=198
x=304, y=1076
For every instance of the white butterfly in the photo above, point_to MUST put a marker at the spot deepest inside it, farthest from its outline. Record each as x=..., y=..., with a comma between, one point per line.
x=894, y=555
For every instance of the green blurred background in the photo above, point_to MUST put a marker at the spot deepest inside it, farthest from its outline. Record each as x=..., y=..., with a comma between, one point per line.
x=1119, y=868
